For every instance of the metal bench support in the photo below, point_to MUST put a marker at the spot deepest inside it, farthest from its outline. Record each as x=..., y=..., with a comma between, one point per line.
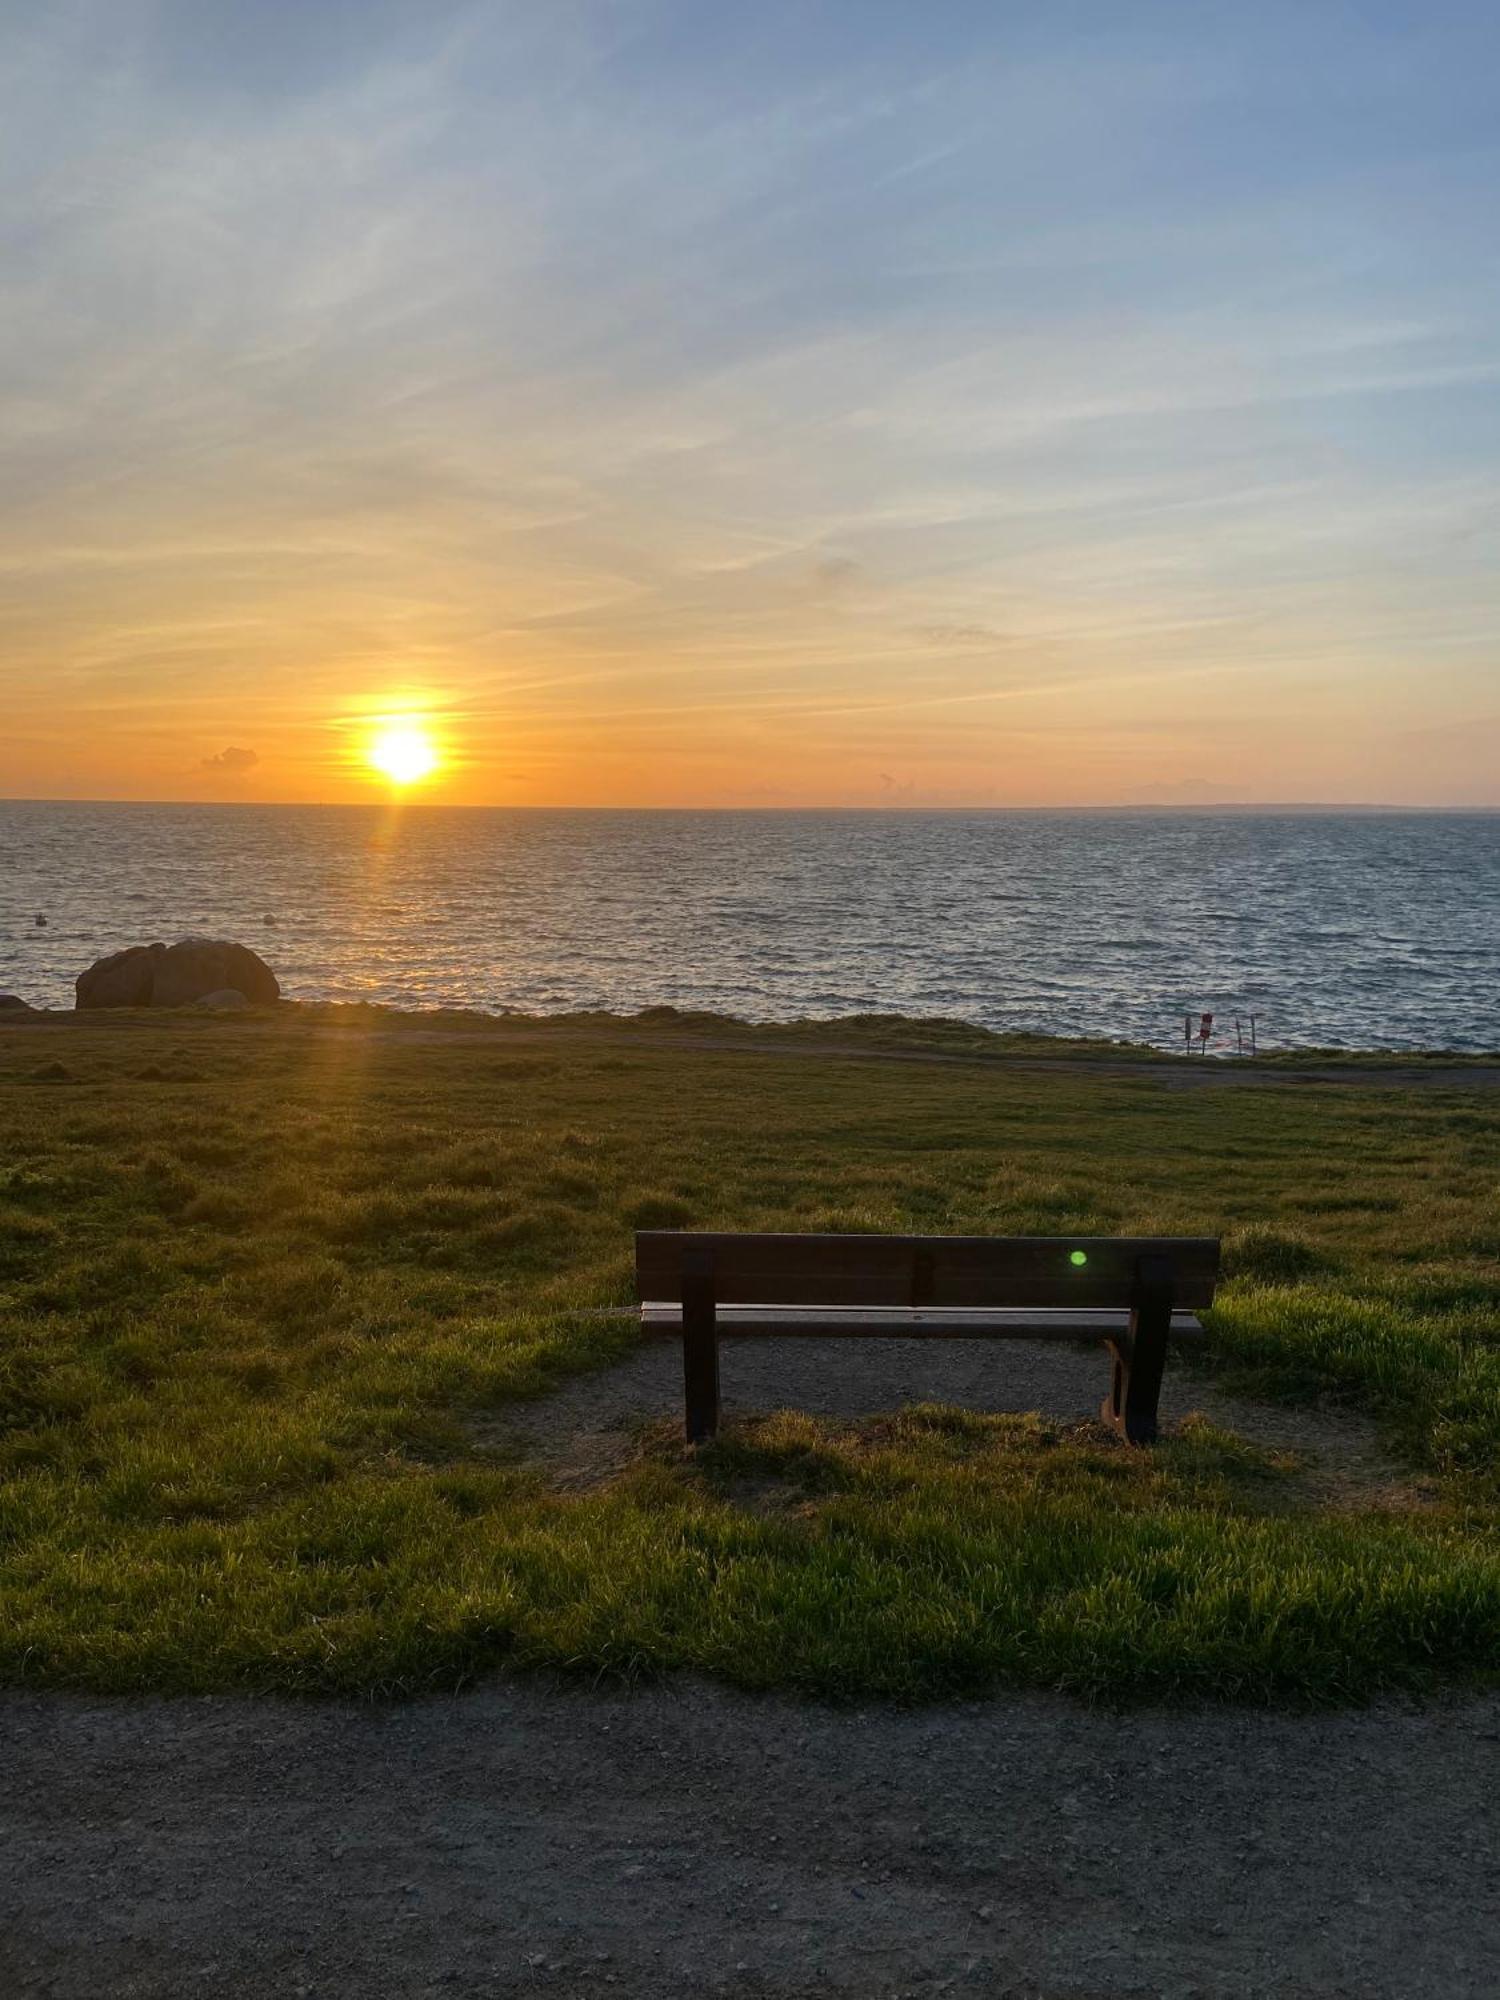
x=1140, y=1356
x=700, y=1345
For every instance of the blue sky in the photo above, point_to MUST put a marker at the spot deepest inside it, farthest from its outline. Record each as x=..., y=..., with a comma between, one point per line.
x=803, y=403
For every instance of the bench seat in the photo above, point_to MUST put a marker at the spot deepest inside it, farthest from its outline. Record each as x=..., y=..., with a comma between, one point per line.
x=908, y=1323
x=1135, y=1295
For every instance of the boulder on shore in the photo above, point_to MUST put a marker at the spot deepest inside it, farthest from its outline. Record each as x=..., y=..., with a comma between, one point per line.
x=124, y=979
x=186, y=972
x=159, y=975
x=12, y=1003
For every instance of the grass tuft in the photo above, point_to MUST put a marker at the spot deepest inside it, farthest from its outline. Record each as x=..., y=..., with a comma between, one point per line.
x=1269, y=1256
x=657, y=1211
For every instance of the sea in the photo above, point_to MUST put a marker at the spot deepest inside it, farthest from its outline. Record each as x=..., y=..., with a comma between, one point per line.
x=1329, y=929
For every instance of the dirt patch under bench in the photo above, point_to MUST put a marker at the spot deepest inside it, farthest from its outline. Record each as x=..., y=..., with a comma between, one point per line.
x=585, y=1432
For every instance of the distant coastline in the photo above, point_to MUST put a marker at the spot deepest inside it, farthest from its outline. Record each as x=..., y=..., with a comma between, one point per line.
x=1155, y=808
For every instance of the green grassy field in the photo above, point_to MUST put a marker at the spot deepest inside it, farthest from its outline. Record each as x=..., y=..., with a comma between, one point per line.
x=261, y=1282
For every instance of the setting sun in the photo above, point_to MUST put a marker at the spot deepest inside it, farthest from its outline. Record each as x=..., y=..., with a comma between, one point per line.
x=403, y=751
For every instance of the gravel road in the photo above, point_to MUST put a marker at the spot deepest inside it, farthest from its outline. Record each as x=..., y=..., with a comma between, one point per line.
x=531, y=1838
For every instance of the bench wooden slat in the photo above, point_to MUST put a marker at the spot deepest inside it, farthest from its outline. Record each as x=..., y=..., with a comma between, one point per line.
x=924, y=1271
x=1134, y=1294
x=750, y=1322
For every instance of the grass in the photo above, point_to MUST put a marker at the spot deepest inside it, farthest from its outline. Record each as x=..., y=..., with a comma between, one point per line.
x=260, y=1284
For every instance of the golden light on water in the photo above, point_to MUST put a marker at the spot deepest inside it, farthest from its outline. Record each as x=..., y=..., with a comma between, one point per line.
x=403, y=751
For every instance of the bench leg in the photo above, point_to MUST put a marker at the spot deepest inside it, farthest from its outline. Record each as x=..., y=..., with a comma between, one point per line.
x=1140, y=1358
x=700, y=1355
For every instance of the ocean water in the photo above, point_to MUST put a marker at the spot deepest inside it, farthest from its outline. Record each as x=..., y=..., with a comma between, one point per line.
x=1359, y=930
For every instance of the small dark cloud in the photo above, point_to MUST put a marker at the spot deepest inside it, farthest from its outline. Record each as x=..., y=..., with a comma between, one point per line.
x=959, y=635
x=837, y=573
x=232, y=760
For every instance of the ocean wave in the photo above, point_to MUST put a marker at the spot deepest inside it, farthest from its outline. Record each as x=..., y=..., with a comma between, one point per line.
x=1115, y=927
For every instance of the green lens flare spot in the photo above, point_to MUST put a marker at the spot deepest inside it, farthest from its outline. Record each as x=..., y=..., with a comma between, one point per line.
x=1078, y=1256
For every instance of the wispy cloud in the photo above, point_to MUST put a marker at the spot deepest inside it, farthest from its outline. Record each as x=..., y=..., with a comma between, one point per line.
x=575, y=362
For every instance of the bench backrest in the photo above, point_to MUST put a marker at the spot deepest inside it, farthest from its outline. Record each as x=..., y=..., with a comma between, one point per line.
x=923, y=1270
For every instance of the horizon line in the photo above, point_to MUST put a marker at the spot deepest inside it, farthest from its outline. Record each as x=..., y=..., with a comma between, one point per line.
x=1186, y=807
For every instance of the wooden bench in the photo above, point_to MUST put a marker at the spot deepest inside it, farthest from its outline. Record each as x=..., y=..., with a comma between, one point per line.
x=1135, y=1294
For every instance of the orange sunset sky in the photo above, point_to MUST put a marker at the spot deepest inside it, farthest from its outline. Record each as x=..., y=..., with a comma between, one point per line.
x=672, y=406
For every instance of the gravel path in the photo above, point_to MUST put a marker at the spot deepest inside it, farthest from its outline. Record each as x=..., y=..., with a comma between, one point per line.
x=1171, y=1073
x=539, y=1037
x=532, y=1839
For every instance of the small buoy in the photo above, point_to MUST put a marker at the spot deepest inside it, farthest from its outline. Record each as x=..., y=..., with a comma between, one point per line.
x=268, y=920
x=41, y=920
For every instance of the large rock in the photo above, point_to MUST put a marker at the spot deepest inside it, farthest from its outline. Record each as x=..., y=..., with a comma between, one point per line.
x=186, y=972
x=12, y=1003
x=125, y=979
x=158, y=975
